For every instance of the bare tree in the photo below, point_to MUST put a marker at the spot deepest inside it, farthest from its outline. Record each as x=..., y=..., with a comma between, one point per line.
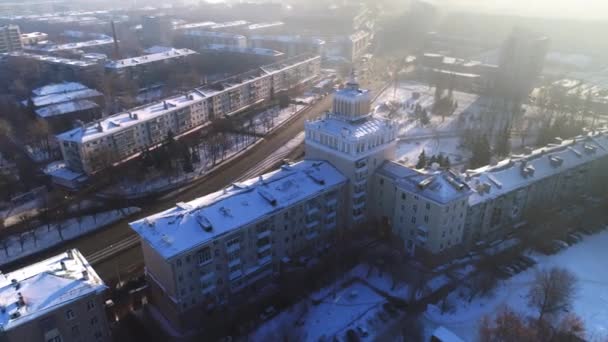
x=552, y=291
x=508, y=326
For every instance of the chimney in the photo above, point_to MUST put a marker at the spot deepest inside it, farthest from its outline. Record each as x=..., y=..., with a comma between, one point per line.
x=165, y=105
x=70, y=254
x=63, y=265
x=20, y=300
x=85, y=275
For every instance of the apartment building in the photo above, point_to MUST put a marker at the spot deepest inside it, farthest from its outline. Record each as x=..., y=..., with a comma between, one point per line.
x=546, y=177
x=32, y=38
x=355, y=142
x=197, y=39
x=426, y=210
x=10, y=38
x=290, y=45
x=97, y=145
x=225, y=246
x=79, y=70
x=140, y=67
x=57, y=299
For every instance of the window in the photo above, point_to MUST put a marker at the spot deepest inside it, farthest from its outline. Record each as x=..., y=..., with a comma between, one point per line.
x=204, y=255
x=70, y=314
x=90, y=305
x=403, y=196
x=179, y=262
x=413, y=219
x=75, y=331
x=94, y=320
x=428, y=206
x=426, y=218
x=98, y=335
x=415, y=207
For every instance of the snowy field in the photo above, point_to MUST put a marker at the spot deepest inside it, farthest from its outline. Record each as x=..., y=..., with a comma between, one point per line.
x=585, y=259
x=41, y=238
x=441, y=135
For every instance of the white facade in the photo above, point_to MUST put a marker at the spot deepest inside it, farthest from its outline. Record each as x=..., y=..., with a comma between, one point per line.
x=97, y=145
x=226, y=245
x=355, y=142
x=10, y=38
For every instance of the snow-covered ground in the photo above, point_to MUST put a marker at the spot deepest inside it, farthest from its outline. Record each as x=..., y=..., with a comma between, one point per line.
x=335, y=309
x=440, y=135
x=585, y=259
x=348, y=307
x=41, y=238
x=227, y=148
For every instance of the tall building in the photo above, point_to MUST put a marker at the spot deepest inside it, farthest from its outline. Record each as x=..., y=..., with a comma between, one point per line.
x=156, y=29
x=60, y=299
x=355, y=142
x=521, y=61
x=226, y=246
x=10, y=38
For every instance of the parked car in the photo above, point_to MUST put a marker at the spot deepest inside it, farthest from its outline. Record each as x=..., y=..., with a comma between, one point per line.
x=268, y=313
x=390, y=309
x=351, y=336
x=531, y=262
x=383, y=316
x=362, y=331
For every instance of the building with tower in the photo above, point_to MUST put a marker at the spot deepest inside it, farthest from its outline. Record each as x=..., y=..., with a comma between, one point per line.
x=355, y=142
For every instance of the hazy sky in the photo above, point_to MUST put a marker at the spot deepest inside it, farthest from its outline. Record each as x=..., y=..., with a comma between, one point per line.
x=581, y=9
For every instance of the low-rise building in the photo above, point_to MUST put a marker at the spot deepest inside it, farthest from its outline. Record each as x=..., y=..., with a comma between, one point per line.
x=197, y=39
x=140, y=67
x=66, y=68
x=97, y=145
x=57, y=299
x=33, y=38
x=504, y=193
x=290, y=45
x=227, y=245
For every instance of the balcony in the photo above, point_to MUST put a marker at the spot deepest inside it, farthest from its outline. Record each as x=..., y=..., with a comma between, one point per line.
x=312, y=224
x=311, y=235
x=263, y=234
x=235, y=275
x=312, y=211
x=233, y=248
x=208, y=290
x=264, y=248
x=234, y=262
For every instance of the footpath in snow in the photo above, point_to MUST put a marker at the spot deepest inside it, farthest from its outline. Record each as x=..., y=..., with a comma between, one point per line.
x=44, y=237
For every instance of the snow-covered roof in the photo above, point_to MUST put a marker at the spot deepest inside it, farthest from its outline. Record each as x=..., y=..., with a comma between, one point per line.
x=335, y=126
x=191, y=224
x=439, y=186
x=117, y=122
x=229, y=24
x=243, y=50
x=71, y=46
x=158, y=49
x=120, y=121
x=195, y=25
x=65, y=108
x=34, y=290
x=53, y=59
x=287, y=39
x=259, y=26
x=445, y=335
x=214, y=34
x=519, y=171
x=151, y=58
x=45, y=100
x=55, y=88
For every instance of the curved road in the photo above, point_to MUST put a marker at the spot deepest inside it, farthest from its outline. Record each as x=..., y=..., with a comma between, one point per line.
x=114, y=250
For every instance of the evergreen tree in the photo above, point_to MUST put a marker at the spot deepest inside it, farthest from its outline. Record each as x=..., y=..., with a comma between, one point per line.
x=440, y=159
x=481, y=152
x=421, y=160
x=447, y=163
x=432, y=160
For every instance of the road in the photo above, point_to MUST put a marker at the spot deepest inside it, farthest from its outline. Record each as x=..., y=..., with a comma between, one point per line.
x=114, y=251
